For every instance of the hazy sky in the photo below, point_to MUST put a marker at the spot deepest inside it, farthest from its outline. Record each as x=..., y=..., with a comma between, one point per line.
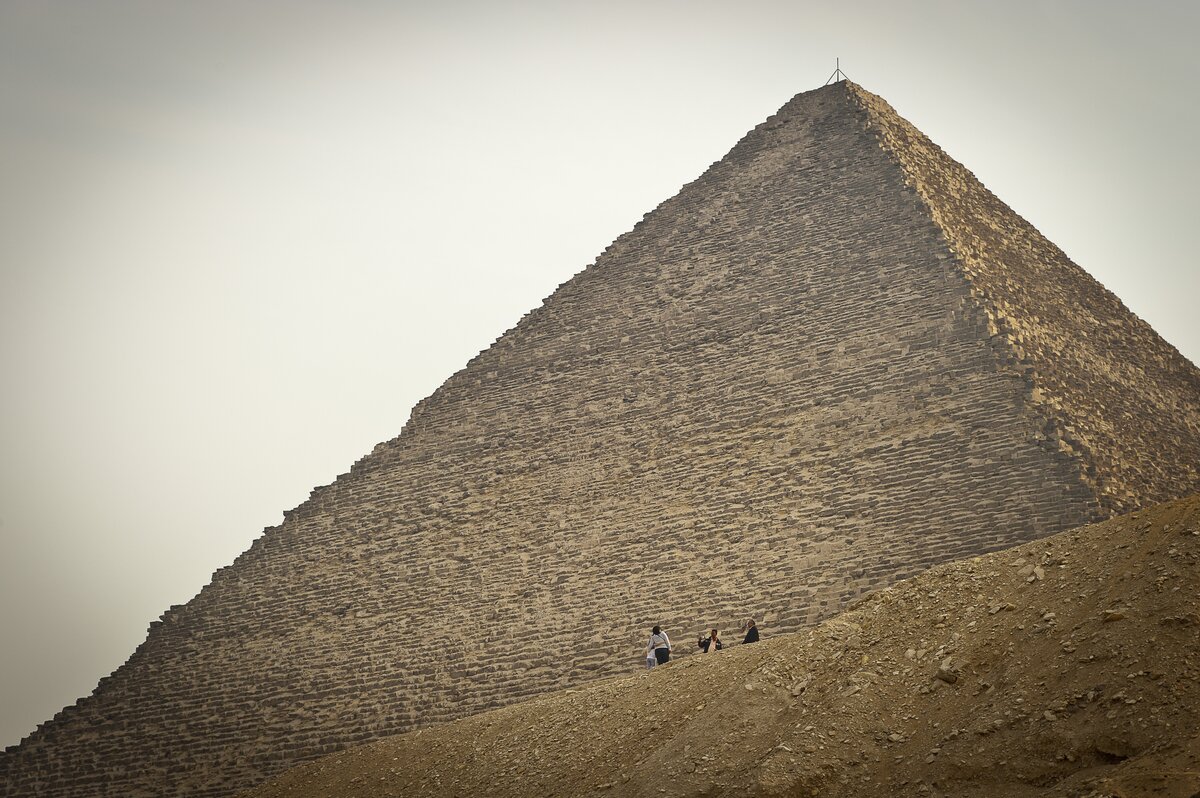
x=238, y=241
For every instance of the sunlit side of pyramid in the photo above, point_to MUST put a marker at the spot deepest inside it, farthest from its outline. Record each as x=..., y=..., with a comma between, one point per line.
x=830, y=362
x=1116, y=396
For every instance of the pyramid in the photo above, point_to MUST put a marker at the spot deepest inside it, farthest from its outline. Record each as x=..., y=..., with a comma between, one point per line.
x=830, y=362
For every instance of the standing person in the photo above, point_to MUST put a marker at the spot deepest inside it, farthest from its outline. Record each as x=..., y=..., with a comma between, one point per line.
x=711, y=644
x=660, y=644
x=751, y=632
x=651, y=660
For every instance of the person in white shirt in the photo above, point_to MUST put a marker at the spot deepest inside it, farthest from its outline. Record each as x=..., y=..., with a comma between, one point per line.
x=660, y=644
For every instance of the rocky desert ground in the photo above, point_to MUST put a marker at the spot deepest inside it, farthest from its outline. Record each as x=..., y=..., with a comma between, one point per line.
x=1063, y=667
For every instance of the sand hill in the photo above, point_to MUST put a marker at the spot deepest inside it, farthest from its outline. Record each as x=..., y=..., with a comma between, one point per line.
x=1066, y=666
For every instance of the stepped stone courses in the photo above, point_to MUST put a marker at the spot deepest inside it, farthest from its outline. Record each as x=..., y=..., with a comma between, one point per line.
x=810, y=373
x=1113, y=393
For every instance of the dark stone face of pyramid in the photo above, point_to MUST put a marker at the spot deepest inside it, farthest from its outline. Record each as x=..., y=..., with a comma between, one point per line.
x=831, y=361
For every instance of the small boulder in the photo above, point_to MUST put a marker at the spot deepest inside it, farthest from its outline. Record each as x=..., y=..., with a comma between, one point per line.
x=946, y=672
x=1114, y=747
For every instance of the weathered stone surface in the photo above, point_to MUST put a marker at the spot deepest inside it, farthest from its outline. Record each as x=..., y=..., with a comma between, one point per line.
x=1113, y=394
x=815, y=370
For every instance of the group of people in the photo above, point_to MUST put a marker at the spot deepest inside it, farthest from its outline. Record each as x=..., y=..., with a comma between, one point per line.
x=658, y=647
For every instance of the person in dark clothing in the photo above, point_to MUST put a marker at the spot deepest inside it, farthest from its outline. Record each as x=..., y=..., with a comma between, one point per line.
x=751, y=632
x=711, y=644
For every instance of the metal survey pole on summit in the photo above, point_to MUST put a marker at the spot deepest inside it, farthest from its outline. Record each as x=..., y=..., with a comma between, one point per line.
x=838, y=74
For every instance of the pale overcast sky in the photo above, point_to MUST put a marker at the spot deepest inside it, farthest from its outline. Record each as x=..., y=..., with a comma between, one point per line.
x=238, y=241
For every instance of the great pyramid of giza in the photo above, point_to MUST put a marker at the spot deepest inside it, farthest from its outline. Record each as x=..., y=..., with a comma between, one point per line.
x=830, y=362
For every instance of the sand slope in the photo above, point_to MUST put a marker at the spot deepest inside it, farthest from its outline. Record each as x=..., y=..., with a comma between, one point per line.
x=1066, y=666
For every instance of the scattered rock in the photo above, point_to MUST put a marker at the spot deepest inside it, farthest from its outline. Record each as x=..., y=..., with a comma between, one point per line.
x=1113, y=615
x=1114, y=747
x=799, y=686
x=947, y=672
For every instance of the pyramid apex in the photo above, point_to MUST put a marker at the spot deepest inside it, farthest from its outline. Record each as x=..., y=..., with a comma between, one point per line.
x=838, y=74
